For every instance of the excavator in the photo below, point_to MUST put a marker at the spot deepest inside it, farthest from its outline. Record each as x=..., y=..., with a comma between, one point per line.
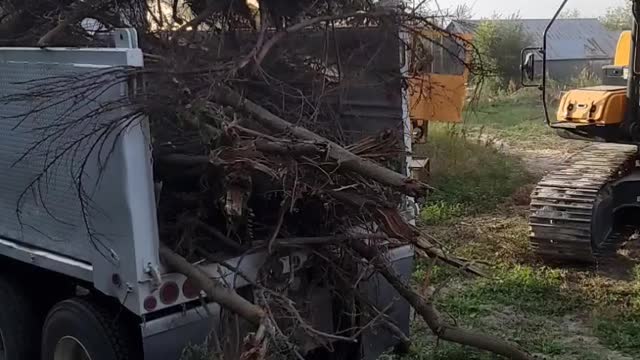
x=583, y=210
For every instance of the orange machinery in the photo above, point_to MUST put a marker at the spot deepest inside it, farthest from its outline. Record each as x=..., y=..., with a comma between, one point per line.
x=437, y=80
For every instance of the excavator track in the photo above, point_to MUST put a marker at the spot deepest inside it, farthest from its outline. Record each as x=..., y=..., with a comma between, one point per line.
x=563, y=201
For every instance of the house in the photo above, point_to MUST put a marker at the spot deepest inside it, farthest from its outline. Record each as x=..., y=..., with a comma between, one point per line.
x=573, y=44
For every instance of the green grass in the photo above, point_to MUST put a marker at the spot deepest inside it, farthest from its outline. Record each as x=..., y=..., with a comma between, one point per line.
x=559, y=314
x=619, y=331
x=441, y=211
x=517, y=120
x=636, y=274
x=526, y=289
x=469, y=168
x=513, y=122
x=470, y=175
x=533, y=307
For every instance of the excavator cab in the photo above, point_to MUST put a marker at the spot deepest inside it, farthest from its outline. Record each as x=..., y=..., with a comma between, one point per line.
x=618, y=73
x=603, y=105
x=597, y=113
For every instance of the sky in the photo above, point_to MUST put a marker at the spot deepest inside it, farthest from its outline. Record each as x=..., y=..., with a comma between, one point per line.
x=532, y=8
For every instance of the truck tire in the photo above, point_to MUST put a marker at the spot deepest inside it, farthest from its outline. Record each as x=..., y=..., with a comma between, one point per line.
x=19, y=324
x=77, y=329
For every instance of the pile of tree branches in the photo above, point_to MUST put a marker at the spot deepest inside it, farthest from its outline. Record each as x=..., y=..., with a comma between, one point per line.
x=251, y=151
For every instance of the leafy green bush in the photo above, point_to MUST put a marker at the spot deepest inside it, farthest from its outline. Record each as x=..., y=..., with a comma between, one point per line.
x=499, y=42
x=440, y=212
x=585, y=78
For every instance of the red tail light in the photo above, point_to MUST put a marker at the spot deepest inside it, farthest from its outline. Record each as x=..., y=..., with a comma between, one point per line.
x=169, y=293
x=190, y=290
x=150, y=303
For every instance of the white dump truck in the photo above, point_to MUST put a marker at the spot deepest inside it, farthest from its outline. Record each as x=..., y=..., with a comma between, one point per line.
x=67, y=294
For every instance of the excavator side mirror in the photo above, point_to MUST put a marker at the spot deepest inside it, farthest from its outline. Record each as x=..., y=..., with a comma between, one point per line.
x=528, y=66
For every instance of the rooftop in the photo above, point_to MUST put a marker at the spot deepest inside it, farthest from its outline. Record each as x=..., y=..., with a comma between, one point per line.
x=568, y=39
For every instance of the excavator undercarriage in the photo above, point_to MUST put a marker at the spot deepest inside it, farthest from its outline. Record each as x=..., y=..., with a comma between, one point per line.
x=575, y=213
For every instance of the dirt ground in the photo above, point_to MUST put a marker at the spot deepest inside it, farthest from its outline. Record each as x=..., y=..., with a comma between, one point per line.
x=603, y=293
x=541, y=161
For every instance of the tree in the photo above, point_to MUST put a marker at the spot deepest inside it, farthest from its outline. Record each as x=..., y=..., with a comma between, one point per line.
x=462, y=12
x=618, y=17
x=499, y=43
x=569, y=14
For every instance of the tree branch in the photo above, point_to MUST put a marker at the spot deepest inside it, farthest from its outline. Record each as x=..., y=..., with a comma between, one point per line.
x=431, y=316
x=269, y=44
x=208, y=11
x=345, y=159
x=215, y=291
x=78, y=10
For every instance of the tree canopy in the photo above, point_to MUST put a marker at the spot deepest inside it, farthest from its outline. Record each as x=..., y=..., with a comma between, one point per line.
x=618, y=17
x=500, y=43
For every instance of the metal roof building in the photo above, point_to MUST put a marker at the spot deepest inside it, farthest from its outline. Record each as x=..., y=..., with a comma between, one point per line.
x=575, y=42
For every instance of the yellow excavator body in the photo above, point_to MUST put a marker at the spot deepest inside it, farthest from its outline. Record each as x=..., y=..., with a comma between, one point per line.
x=623, y=49
x=599, y=105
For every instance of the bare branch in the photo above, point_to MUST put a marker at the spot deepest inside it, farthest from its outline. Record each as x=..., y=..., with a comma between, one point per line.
x=431, y=316
x=345, y=158
x=215, y=291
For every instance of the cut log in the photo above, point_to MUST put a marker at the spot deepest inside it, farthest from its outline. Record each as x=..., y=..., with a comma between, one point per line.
x=215, y=291
x=431, y=316
x=345, y=159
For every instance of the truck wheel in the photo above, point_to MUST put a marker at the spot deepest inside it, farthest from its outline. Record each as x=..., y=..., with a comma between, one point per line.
x=77, y=329
x=18, y=323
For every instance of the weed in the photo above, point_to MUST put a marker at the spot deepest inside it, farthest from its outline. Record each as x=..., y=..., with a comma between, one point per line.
x=619, y=331
x=514, y=120
x=530, y=290
x=497, y=240
x=537, y=291
x=518, y=120
x=470, y=175
x=586, y=78
x=426, y=347
x=427, y=273
x=446, y=351
x=420, y=272
x=441, y=212
x=635, y=272
x=197, y=352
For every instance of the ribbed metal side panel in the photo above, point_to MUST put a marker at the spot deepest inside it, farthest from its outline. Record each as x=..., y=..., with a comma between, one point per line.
x=46, y=212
